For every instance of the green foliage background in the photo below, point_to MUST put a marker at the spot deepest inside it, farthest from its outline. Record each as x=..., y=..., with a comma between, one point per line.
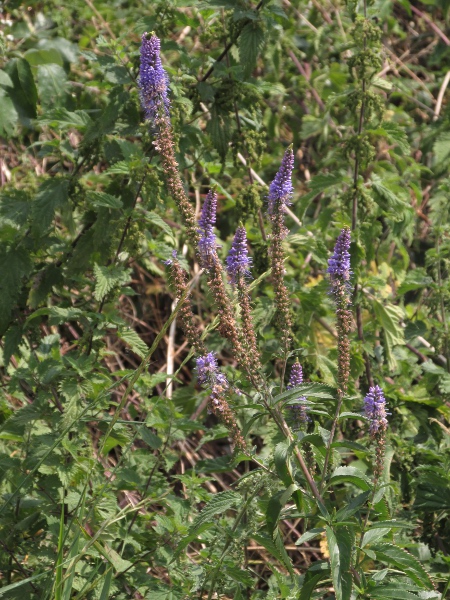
x=103, y=473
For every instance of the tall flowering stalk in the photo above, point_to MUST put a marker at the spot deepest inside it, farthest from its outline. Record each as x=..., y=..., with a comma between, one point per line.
x=186, y=316
x=238, y=268
x=208, y=374
x=280, y=194
x=207, y=247
x=207, y=250
x=339, y=273
x=153, y=85
x=375, y=411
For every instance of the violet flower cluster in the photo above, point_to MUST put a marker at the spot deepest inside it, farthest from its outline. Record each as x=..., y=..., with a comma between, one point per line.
x=339, y=263
x=238, y=260
x=208, y=371
x=281, y=189
x=207, y=245
x=375, y=411
x=299, y=410
x=153, y=80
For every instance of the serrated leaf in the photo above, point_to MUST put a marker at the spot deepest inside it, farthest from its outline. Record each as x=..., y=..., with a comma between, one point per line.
x=15, y=264
x=373, y=535
x=106, y=278
x=219, y=128
x=119, y=168
x=275, y=549
x=309, y=390
x=64, y=119
x=217, y=505
x=322, y=182
x=251, y=41
x=441, y=147
x=406, y=562
x=130, y=337
x=389, y=316
x=397, y=134
x=340, y=548
x=101, y=199
x=394, y=592
x=53, y=195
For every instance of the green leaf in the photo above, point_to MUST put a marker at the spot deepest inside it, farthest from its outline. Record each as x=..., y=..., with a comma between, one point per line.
x=65, y=119
x=282, y=467
x=106, y=278
x=404, y=561
x=217, y=505
x=351, y=475
x=220, y=129
x=396, y=592
x=353, y=507
x=397, y=135
x=323, y=182
x=8, y=115
x=275, y=549
x=130, y=337
x=309, y=535
x=53, y=195
x=441, y=147
x=275, y=505
x=309, y=390
x=389, y=316
x=27, y=85
x=373, y=535
x=103, y=200
x=316, y=573
x=340, y=548
x=251, y=41
x=51, y=82
x=15, y=264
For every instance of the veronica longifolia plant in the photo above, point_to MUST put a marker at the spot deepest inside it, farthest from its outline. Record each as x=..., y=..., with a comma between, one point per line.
x=305, y=477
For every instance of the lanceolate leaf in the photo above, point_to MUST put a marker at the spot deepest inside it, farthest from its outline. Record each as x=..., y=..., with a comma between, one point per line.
x=340, y=548
x=403, y=560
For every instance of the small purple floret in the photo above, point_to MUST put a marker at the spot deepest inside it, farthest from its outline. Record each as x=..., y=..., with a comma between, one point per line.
x=208, y=371
x=339, y=263
x=153, y=80
x=375, y=410
x=238, y=260
x=281, y=189
x=207, y=245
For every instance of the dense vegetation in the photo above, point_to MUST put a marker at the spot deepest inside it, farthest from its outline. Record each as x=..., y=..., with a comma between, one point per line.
x=158, y=449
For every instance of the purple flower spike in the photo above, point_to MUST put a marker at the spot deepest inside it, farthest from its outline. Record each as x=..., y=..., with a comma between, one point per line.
x=207, y=244
x=238, y=260
x=296, y=377
x=208, y=371
x=375, y=410
x=299, y=410
x=153, y=80
x=339, y=263
x=281, y=189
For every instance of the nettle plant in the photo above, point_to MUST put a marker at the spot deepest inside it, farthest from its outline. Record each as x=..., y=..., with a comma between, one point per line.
x=302, y=472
